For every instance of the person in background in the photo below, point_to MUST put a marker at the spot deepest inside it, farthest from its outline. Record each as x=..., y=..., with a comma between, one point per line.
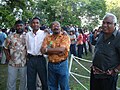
x=57, y=46
x=94, y=38
x=80, y=43
x=26, y=30
x=15, y=50
x=73, y=39
x=36, y=63
x=106, y=60
x=85, y=40
x=3, y=36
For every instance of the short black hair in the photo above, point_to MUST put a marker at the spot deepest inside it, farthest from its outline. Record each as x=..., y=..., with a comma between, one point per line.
x=19, y=22
x=35, y=18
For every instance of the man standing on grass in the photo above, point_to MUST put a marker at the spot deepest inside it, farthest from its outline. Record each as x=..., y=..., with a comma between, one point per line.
x=15, y=50
x=36, y=63
x=57, y=46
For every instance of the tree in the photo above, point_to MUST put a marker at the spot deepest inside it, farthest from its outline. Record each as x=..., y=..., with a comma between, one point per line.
x=11, y=8
x=71, y=11
x=65, y=11
x=113, y=6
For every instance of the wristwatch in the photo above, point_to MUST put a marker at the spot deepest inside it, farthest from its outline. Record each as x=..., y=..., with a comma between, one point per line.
x=116, y=70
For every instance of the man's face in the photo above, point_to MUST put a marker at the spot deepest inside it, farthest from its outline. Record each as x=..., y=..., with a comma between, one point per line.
x=35, y=24
x=56, y=28
x=108, y=26
x=19, y=28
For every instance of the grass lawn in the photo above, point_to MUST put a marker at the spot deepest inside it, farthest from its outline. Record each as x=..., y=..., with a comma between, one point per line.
x=76, y=68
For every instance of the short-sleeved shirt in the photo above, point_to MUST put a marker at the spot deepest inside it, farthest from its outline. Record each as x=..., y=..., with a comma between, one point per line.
x=3, y=36
x=34, y=42
x=107, y=52
x=80, y=39
x=60, y=41
x=73, y=37
x=17, y=47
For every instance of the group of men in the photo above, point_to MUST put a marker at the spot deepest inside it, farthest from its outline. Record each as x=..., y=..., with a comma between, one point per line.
x=25, y=53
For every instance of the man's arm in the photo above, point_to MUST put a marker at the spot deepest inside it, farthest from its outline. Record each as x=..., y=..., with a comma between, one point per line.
x=7, y=53
x=6, y=49
x=57, y=50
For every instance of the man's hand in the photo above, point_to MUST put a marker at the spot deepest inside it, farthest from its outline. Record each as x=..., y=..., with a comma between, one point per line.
x=61, y=54
x=111, y=72
x=8, y=57
x=7, y=54
x=47, y=31
x=64, y=33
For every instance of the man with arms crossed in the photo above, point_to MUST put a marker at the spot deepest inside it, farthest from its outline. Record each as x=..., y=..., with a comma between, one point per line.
x=57, y=47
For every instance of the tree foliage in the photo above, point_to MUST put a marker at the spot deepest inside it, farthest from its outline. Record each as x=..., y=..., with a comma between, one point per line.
x=70, y=11
x=113, y=6
x=10, y=8
x=65, y=11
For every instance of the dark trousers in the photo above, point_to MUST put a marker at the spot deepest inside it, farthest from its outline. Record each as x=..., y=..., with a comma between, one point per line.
x=90, y=47
x=85, y=48
x=73, y=49
x=103, y=83
x=80, y=50
x=36, y=64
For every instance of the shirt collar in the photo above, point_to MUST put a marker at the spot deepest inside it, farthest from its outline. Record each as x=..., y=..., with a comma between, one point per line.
x=115, y=33
x=36, y=32
x=59, y=35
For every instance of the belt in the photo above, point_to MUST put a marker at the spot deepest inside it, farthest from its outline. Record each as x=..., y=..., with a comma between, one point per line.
x=30, y=55
x=96, y=70
x=17, y=65
x=57, y=62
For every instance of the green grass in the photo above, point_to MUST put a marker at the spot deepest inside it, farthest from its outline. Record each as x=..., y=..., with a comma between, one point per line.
x=76, y=68
x=3, y=77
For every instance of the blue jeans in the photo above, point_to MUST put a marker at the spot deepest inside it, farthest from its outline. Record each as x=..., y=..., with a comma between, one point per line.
x=12, y=77
x=36, y=65
x=58, y=76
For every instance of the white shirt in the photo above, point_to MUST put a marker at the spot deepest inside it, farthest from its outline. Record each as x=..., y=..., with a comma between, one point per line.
x=34, y=42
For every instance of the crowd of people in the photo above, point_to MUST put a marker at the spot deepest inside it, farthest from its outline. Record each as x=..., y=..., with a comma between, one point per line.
x=34, y=49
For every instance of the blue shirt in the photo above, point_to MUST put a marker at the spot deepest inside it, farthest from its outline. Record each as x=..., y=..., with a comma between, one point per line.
x=2, y=37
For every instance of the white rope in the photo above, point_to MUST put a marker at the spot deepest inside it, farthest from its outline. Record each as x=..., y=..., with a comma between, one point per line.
x=80, y=75
x=78, y=81
x=70, y=66
x=83, y=59
x=82, y=65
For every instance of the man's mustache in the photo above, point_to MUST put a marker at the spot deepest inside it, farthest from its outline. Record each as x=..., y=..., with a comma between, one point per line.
x=56, y=29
